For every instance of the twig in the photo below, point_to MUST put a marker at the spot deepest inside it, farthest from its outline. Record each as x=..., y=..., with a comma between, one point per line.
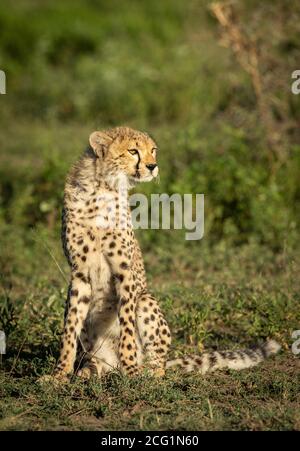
x=245, y=51
x=12, y=418
x=79, y=411
x=211, y=415
x=17, y=357
x=51, y=255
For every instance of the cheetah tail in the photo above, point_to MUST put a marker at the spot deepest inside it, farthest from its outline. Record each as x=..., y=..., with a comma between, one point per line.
x=235, y=360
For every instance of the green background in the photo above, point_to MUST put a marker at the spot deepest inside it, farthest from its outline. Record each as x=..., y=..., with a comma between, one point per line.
x=169, y=68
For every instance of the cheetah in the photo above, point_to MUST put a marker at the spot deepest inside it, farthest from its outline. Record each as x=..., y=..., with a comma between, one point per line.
x=110, y=316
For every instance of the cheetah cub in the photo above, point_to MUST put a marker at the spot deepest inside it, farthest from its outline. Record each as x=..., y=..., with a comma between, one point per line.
x=109, y=312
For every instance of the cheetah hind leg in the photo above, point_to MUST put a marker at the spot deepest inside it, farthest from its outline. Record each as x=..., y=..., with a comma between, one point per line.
x=101, y=358
x=92, y=367
x=84, y=368
x=154, y=334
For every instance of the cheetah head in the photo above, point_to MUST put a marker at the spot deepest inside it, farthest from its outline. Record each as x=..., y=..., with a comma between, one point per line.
x=123, y=151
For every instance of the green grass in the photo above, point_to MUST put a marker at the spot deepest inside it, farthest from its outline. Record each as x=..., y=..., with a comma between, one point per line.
x=219, y=300
x=83, y=65
x=264, y=399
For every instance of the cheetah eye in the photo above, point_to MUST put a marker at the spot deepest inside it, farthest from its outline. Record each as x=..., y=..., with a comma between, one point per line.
x=133, y=151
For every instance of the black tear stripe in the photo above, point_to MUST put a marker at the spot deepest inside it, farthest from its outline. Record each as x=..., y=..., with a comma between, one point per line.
x=138, y=163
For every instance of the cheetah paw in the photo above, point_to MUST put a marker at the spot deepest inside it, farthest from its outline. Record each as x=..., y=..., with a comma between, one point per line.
x=55, y=379
x=133, y=371
x=85, y=373
x=158, y=372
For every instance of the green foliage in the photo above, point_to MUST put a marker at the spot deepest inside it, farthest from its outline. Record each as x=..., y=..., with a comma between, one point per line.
x=73, y=67
x=99, y=64
x=222, y=302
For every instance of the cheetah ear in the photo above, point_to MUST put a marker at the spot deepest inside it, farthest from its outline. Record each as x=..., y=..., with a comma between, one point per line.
x=100, y=143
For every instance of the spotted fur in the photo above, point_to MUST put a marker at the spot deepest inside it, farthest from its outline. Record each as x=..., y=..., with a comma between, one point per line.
x=109, y=309
x=235, y=360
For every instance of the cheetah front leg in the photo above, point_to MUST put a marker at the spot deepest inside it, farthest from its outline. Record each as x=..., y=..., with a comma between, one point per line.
x=126, y=292
x=126, y=314
x=78, y=305
x=154, y=334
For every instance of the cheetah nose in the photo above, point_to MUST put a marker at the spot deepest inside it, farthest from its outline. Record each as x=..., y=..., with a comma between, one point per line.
x=151, y=167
